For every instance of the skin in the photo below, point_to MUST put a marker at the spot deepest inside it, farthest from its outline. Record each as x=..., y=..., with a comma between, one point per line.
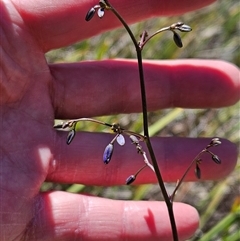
x=33, y=93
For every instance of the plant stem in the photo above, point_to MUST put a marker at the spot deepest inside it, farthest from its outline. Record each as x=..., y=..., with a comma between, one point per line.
x=168, y=201
x=150, y=149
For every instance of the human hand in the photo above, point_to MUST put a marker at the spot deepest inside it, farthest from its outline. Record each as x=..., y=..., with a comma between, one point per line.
x=33, y=93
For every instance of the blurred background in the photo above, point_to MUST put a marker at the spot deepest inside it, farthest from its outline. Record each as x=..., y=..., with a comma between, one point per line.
x=215, y=36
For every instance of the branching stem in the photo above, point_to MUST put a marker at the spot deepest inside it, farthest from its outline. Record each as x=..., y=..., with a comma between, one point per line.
x=168, y=201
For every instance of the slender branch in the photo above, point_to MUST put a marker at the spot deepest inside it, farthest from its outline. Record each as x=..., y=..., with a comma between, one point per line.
x=185, y=174
x=70, y=123
x=152, y=35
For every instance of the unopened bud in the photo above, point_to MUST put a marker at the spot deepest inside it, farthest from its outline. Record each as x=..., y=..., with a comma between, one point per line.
x=90, y=14
x=198, y=171
x=177, y=39
x=130, y=179
x=216, y=159
x=107, y=155
x=70, y=136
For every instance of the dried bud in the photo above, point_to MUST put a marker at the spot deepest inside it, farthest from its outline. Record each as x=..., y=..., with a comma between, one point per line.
x=70, y=136
x=177, y=39
x=107, y=155
x=185, y=28
x=216, y=159
x=215, y=142
x=134, y=139
x=198, y=171
x=120, y=140
x=181, y=27
x=90, y=14
x=130, y=179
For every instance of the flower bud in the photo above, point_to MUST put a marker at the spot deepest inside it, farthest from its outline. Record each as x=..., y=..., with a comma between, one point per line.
x=198, y=171
x=177, y=39
x=90, y=14
x=130, y=179
x=70, y=136
x=185, y=28
x=100, y=12
x=134, y=139
x=107, y=155
x=216, y=159
x=215, y=142
x=120, y=140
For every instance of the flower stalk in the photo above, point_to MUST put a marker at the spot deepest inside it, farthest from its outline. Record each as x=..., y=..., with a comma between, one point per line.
x=100, y=9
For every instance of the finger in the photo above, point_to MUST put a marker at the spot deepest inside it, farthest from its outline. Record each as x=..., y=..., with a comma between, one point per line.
x=81, y=161
x=60, y=23
x=112, y=86
x=65, y=216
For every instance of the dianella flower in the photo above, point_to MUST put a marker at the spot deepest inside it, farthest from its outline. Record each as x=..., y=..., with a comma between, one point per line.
x=100, y=9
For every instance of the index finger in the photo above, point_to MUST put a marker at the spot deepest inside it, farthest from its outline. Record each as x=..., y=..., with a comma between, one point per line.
x=59, y=23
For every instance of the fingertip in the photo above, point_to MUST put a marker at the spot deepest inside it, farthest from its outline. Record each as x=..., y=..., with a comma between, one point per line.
x=230, y=75
x=214, y=83
x=187, y=224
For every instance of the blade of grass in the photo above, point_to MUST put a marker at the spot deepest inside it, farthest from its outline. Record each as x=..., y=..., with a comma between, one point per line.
x=75, y=188
x=234, y=237
x=164, y=121
x=222, y=225
x=141, y=191
x=217, y=195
